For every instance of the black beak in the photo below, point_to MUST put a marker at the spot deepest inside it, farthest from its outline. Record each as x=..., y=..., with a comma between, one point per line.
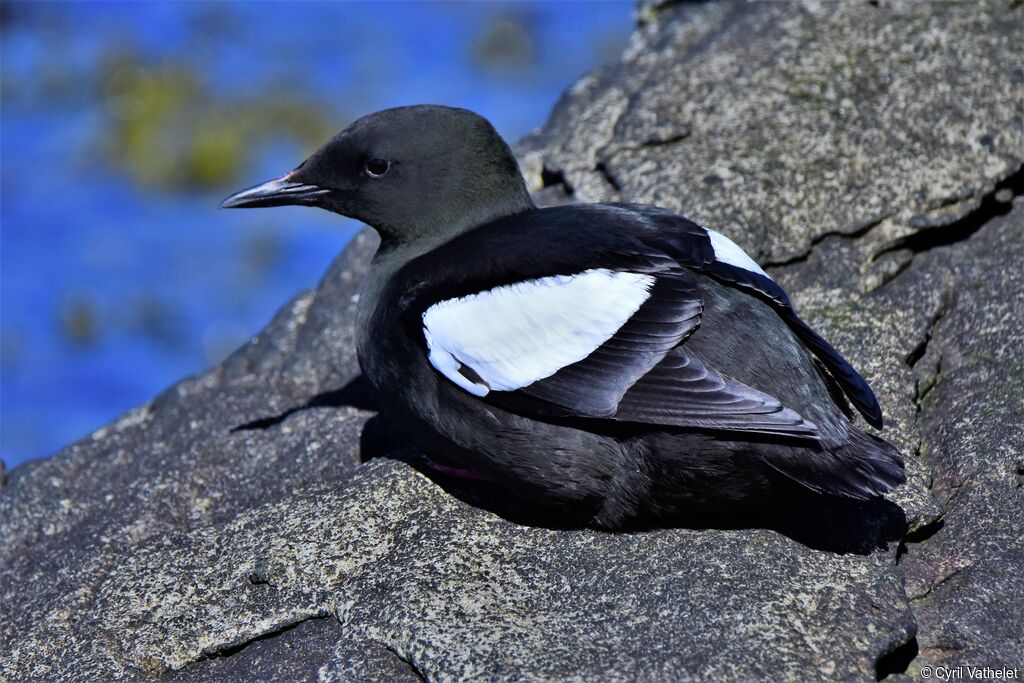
x=282, y=191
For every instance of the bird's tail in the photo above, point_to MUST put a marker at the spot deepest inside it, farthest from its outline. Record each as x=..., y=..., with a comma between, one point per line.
x=864, y=467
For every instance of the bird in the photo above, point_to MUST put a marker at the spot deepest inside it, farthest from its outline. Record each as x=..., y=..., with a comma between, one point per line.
x=612, y=362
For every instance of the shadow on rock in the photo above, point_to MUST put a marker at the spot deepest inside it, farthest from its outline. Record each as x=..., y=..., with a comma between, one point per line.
x=356, y=394
x=829, y=523
x=826, y=523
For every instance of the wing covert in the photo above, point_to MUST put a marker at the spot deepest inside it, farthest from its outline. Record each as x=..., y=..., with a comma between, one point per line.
x=509, y=337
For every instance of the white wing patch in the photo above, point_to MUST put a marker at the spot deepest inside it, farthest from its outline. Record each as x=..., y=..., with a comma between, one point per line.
x=513, y=335
x=729, y=252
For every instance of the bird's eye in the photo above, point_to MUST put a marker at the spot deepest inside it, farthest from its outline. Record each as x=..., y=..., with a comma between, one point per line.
x=375, y=168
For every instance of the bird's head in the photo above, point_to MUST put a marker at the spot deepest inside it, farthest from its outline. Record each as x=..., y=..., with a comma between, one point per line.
x=415, y=174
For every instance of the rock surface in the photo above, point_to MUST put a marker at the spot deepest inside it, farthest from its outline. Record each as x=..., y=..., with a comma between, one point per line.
x=236, y=527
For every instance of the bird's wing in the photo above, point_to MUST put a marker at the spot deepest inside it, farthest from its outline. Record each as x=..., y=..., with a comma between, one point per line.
x=682, y=391
x=599, y=344
x=598, y=330
x=717, y=256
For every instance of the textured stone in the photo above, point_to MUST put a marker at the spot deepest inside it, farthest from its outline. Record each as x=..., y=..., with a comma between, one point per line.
x=783, y=122
x=231, y=529
x=461, y=593
x=182, y=461
x=295, y=653
x=964, y=574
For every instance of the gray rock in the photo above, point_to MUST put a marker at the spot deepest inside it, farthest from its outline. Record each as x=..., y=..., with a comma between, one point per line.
x=785, y=122
x=294, y=653
x=183, y=461
x=964, y=573
x=235, y=528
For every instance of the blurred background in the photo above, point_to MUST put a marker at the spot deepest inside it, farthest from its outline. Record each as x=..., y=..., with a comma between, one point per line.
x=124, y=124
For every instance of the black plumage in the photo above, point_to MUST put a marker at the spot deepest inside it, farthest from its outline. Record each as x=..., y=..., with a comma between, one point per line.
x=615, y=360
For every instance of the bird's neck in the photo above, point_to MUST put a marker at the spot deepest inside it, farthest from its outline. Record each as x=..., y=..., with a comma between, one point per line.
x=393, y=254
x=431, y=232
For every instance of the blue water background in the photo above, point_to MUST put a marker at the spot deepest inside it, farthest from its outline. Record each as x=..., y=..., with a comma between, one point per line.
x=118, y=276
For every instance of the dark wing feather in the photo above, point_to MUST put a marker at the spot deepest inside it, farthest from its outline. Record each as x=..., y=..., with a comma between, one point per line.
x=684, y=239
x=854, y=386
x=682, y=391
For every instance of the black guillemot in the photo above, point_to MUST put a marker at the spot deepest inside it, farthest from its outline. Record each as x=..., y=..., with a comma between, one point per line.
x=614, y=361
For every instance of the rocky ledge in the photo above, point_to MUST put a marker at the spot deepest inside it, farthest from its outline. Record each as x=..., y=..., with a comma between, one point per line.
x=257, y=523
